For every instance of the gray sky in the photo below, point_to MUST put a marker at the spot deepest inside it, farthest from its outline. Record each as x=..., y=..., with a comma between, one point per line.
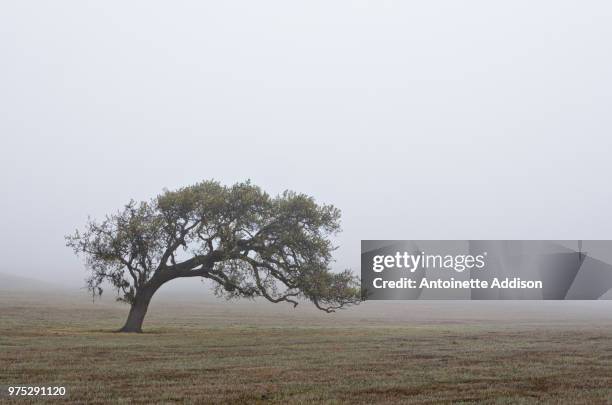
x=440, y=119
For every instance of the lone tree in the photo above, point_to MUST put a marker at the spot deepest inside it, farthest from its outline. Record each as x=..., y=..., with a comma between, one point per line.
x=248, y=243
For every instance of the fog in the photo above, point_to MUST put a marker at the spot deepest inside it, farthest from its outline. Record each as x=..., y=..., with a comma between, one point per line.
x=429, y=120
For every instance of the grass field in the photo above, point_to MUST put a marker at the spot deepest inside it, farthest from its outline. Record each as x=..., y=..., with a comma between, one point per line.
x=205, y=351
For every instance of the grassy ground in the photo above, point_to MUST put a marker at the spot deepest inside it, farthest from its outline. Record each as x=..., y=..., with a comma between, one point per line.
x=211, y=352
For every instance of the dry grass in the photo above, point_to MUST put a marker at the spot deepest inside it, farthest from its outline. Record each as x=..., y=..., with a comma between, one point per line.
x=208, y=352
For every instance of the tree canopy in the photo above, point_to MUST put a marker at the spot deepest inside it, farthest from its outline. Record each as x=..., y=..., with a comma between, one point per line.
x=248, y=243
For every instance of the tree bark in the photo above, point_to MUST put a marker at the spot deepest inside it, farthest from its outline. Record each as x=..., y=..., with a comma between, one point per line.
x=139, y=309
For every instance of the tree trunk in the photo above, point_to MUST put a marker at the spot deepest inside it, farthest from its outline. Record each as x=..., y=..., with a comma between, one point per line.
x=139, y=310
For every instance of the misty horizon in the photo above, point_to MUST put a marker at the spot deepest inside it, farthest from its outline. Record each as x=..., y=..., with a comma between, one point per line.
x=418, y=121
